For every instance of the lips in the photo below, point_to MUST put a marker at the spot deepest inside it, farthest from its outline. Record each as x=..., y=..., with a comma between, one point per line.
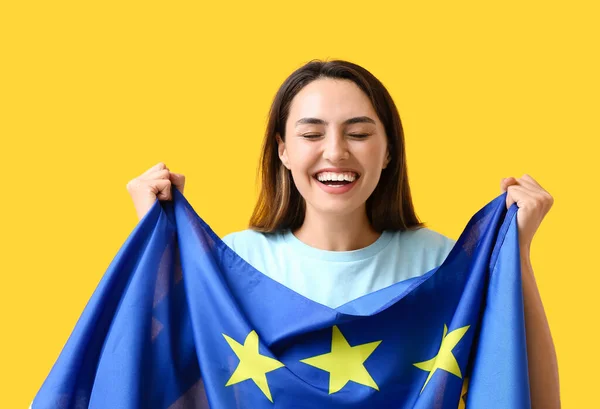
x=336, y=188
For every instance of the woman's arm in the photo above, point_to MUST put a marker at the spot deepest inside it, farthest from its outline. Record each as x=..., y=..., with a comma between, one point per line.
x=534, y=202
x=541, y=355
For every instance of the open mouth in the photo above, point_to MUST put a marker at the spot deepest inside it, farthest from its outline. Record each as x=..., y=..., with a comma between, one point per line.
x=336, y=180
x=335, y=183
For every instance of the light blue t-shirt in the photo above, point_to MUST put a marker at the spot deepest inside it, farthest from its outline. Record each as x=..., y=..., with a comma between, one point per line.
x=333, y=278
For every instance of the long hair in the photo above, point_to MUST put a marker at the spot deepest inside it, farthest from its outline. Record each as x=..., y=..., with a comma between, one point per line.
x=281, y=206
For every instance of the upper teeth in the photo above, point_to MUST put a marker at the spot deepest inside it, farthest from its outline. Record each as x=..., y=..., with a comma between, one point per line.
x=333, y=176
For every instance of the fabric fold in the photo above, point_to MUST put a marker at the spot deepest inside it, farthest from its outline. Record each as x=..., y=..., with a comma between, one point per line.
x=179, y=320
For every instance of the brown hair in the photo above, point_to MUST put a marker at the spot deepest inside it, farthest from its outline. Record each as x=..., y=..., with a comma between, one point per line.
x=280, y=205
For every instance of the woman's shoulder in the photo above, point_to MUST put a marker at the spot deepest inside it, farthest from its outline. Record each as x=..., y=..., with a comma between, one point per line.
x=248, y=238
x=420, y=249
x=424, y=239
x=427, y=235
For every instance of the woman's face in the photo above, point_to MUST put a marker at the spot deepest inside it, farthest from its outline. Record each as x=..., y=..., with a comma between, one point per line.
x=333, y=132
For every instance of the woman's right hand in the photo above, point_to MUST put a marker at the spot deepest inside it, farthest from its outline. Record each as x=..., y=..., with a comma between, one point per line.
x=152, y=184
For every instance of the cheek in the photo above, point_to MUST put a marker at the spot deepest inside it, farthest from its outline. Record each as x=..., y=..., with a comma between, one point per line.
x=298, y=167
x=372, y=155
x=300, y=158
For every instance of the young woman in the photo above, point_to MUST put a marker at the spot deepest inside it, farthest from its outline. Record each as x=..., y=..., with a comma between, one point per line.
x=335, y=209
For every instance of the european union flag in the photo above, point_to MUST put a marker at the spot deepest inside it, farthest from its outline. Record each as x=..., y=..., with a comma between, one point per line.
x=179, y=320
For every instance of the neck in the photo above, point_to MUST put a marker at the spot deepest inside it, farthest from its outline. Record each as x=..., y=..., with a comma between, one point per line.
x=335, y=232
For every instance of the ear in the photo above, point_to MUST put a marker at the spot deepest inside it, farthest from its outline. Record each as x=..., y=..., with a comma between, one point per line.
x=282, y=151
x=388, y=158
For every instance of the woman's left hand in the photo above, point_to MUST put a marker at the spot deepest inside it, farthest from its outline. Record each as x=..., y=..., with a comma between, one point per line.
x=533, y=203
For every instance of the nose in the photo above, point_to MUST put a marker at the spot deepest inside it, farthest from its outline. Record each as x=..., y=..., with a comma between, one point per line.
x=336, y=148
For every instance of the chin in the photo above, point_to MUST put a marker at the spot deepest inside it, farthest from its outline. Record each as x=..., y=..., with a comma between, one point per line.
x=336, y=207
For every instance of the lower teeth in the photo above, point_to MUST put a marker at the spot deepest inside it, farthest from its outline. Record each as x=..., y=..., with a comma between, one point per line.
x=338, y=184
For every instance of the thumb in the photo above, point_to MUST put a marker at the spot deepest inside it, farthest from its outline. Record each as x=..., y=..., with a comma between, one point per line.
x=506, y=182
x=178, y=180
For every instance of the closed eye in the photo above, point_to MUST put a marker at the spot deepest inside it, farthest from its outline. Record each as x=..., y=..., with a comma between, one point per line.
x=356, y=135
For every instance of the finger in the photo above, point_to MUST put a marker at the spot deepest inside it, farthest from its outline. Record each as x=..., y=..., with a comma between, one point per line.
x=539, y=192
x=529, y=181
x=527, y=191
x=178, y=180
x=158, y=166
x=162, y=187
x=514, y=194
x=157, y=174
x=530, y=185
x=504, y=183
x=519, y=194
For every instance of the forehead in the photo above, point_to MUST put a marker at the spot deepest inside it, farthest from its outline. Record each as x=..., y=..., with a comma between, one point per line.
x=331, y=99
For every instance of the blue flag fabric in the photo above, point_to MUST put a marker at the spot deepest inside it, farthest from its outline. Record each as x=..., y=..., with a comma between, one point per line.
x=179, y=320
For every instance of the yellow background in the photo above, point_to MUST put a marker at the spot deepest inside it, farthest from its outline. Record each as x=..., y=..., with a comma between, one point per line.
x=94, y=93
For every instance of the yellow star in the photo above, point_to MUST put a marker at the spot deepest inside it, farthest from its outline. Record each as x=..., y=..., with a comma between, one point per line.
x=252, y=364
x=444, y=359
x=345, y=363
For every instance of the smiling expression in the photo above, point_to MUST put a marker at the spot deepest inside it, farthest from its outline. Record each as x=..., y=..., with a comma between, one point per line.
x=334, y=134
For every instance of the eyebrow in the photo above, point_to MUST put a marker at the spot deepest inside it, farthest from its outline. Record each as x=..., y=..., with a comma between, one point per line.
x=317, y=121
